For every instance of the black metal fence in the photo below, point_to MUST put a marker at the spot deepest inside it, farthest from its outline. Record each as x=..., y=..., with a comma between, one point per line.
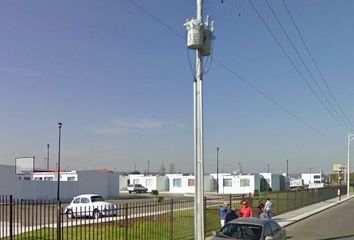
x=151, y=219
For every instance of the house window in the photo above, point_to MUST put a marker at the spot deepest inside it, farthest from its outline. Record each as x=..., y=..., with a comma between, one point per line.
x=244, y=182
x=136, y=181
x=177, y=182
x=317, y=177
x=71, y=179
x=227, y=182
x=190, y=182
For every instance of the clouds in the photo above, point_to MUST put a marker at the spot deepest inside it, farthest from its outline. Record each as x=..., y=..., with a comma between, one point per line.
x=25, y=71
x=137, y=126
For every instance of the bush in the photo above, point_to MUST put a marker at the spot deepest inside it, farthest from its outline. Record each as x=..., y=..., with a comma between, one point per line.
x=155, y=192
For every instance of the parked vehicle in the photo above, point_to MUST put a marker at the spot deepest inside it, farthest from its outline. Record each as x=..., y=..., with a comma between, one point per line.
x=251, y=228
x=90, y=205
x=137, y=188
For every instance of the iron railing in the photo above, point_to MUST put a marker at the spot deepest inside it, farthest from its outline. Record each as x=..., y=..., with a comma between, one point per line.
x=154, y=219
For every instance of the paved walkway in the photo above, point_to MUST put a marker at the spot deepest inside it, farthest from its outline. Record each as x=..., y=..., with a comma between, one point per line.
x=289, y=218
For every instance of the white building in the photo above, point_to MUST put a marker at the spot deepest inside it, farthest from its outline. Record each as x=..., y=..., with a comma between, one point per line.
x=179, y=183
x=159, y=183
x=53, y=176
x=311, y=178
x=296, y=183
x=244, y=184
x=100, y=182
x=275, y=182
x=239, y=184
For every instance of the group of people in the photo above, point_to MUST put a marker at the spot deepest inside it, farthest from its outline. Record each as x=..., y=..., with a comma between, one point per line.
x=264, y=210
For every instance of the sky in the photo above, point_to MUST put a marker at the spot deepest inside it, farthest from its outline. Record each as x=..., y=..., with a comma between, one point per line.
x=118, y=75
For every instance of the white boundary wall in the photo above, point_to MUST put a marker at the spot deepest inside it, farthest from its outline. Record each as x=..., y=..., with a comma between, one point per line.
x=104, y=183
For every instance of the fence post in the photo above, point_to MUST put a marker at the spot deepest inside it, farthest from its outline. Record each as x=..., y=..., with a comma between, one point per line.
x=126, y=222
x=205, y=216
x=58, y=220
x=11, y=220
x=171, y=222
x=278, y=200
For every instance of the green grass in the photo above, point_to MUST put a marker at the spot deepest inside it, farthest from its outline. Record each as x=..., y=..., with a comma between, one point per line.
x=181, y=226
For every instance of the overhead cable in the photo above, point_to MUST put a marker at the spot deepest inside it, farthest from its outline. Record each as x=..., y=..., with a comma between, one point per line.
x=294, y=65
x=316, y=65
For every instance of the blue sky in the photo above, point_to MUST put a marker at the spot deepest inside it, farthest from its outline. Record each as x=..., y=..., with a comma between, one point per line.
x=117, y=75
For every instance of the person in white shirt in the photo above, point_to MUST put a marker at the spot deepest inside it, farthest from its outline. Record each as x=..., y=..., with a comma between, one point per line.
x=268, y=208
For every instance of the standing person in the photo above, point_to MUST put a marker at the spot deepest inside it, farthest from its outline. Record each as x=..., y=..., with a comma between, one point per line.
x=246, y=210
x=260, y=212
x=231, y=215
x=268, y=208
x=223, y=213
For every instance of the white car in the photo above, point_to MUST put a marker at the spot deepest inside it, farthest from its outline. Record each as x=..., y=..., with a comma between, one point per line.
x=90, y=205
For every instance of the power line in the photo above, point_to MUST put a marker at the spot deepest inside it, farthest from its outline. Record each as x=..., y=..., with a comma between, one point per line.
x=294, y=65
x=316, y=65
x=275, y=102
x=304, y=64
x=242, y=79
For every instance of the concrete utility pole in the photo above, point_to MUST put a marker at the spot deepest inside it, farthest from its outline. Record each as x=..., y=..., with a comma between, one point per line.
x=217, y=169
x=199, y=38
x=198, y=135
x=287, y=167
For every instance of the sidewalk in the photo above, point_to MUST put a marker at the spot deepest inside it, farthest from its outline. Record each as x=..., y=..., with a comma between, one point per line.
x=289, y=218
x=292, y=217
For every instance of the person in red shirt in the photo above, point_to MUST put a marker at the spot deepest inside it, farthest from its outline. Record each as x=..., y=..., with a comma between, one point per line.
x=246, y=210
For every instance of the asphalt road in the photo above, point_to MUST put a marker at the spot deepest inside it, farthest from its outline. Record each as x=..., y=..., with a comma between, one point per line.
x=333, y=223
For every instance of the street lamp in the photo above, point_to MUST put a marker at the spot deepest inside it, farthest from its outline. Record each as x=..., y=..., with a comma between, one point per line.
x=217, y=170
x=350, y=139
x=58, y=188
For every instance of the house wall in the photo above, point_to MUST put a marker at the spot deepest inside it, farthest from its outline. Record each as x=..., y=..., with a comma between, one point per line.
x=9, y=181
x=123, y=182
x=239, y=184
x=179, y=183
x=162, y=183
x=113, y=185
x=151, y=182
x=312, y=178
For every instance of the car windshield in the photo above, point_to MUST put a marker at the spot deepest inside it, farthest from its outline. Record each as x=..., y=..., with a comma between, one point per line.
x=241, y=231
x=97, y=199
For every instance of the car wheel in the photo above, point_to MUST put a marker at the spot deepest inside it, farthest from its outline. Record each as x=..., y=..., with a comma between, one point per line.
x=130, y=191
x=70, y=213
x=96, y=214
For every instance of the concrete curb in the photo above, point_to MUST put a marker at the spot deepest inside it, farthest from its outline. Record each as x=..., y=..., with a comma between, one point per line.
x=305, y=215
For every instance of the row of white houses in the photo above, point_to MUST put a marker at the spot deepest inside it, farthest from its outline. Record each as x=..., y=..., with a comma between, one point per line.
x=43, y=185
x=228, y=183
